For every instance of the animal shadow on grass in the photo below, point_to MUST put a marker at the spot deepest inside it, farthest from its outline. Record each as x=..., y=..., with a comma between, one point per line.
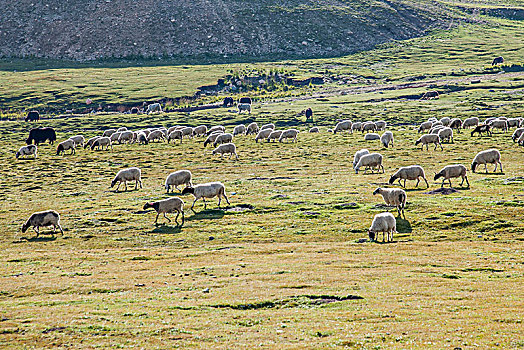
x=49, y=238
x=403, y=226
x=208, y=214
x=167, y=229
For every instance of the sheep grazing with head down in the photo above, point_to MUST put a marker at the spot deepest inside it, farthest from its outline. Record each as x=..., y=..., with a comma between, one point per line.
x=125, y=175
x=223, y=138
x=469, y=122
x=413, y=172
x=499, y=124
x=357, y=126
x=43, y=219
x=177, y=178
x=263, y=134
x=108, y=132
x=445, y=121
x=427, y=139
x=26, y=151
x=314, y=129
x=456, y=123
x=370, y=161
x=289, y=134
x=393, y=196
x=387, y=139
x=425, y=126
x=187, y=131
x=344, y=125
x=452, y=171
x=64, y=146
x=446, y=133
x=274, y=135
x=156, y=135
x=208, y=190
x=175, y=135
x=200, y=130
x=226, y=148
x=78, y=139
x=211, y=138
x=90, y=142
x=513, y=122
x=385, y=223
x=369, y=126
x=491, y=156
x=170, y=205
x=100, y=142
x=381, y=125
x=126, y=136
x=357, y=156
x=372, y=137
x=520, y=141
x=252, y=128
x=239, y=130
x=479, y=129
x=516, y=135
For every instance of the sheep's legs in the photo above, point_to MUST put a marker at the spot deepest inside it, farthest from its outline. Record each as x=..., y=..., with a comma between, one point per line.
x=37, y=230
x=117, y=187
x=61, y=231
x=486, y=167
x=205, y=204
x=167, y=217
x=156, y=219
x=193, y=206
x=427, y=185
x=227, y=200
x=442, y=183
x=176, y=218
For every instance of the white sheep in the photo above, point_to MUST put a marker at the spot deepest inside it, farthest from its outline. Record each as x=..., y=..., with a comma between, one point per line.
x=289, y=134
x=513, y=122
x=223, y=138
x=122, y=129
x=115, y=136
x=413, y=172
x=212, y=137
x=187, y=131
x=154, y=107
x=274, y=135
x=207, y=190
x=90, y=142
x=239, y=130
x=125, y=175
x=216, y=128
x=445, y=121
x=491, y=156
x=175, y=135
x=43, y=219
x=393, y=196
x=200, y=130
x=26, y=151
x=126, y=136
x=263, y=134
x=244, y=107
x=357, y=156
x=425, y=126
x=226, y=148
x=387, y=139
x=344, y=125
x=79, y=140
x=170, y=205
x=369, y=126
x=516, y=135
x=101, y=142
x=314, y=129
x=156, y=135
x=427, y=139
x=385, y=223
x=108, y=132
x=435, y=130
x=452, y=171
x=499, y=124
x=178, y=178
x=268, y=126
x=446, y=133
x=371, y=136
x=252, y=128
x=141, y=138
x=372, y=160
x=381, y=125
x=65, y=145
x=469, y=122
x=357, y=126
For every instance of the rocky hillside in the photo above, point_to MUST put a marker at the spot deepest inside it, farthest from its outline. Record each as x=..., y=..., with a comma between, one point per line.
x=100, y=29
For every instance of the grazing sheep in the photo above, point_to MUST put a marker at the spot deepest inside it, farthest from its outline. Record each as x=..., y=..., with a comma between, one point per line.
x=216, y=128
x=64, y=146
x=425, y=126
x=497, y=60
x=357, y=126
x=393, y=196
x=513, y=122
x=452, y=171
x=223, y=138
x=200, y=130
x=456, y=123
x=386, y=139
x=26, y=151
x=122, y=129
x=156, y=135
x=252, y=128
x=164, y=131
x=175, y=135
x=43, y=219
x=187, y=131
x=437, y=123
x=427, y=139
x=101, y=142
x=108, y=132
x=385, y=223
x=517, y=133
x=211, y=138
x=268, y=126
x=226, y=148
x=207, y=190
x=344, y=125
x=90, y=142
x=177, y=178
x=413, y=172
x=491, y=156
x=371, y=137
x=115, y=136
x=173, y=128
x=274, y=135
x=170, y=205
x=469, y=122
x=239, y=130
x=141, y=138
x=358, y=155
x=381, y=125
x=244, y=107
x=314, y=129
x=125, y=175
x=154, y=107
x=372, y=160
x=429, y=95
x=479, y=129
x=126, y=136
x=445, y=121
x=146, y=132
x=78, y=140
x=499, y=124
x=289, y=134
x=263, y=134
x=369, y=126
x=446, y=133
x=435, y=130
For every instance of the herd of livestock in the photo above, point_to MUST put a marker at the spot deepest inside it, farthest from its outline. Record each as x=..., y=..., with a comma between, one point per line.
x=437, y=132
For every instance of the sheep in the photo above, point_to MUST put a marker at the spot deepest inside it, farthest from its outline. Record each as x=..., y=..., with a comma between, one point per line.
x=372, y=160
x=164, y=130
x=115, y=136
x=274, y=135
x=239, y=130
x=146, y=132
x=215, y=129
x=393, y=196
x=156, y=135
x=207, y=190
x=445, y=121
x=101, y=142
x=357, y=156
x=78, y=140
x=125, y=175
x=175, y=135
x=90, y=142
x=517, y=133
x=64, y=146
x=456, y=123
x=223, y=138
x=425, y=126
x=122, y=129
x=126, y=136
x=177, y=178
x=479, y=129
x=252, y=128
x=342, y=126
x=170, y=205
x=499, y=124
x=381, y=125
x=244, y=107
x=187, y=131
x=211, y=138
x=521, y=140
x=200, y=130
x=263, y=134
x=385, y=223
x=488, y=156
x=427, y=139
x=26, y=151
x=226, y=148
x=489, y=120
x=386, y=139
x=268, y=126
x=469, y=122
x=452, y=171
x=43, y=219
x=289, y=134
x=437, y=123
x=372, y=136
x=513, y=122
x=357, y=126
x=154, y=107
x=413, y=172
x=314, y=129
x=369, y=126
x=446, y=133
x=108, y=132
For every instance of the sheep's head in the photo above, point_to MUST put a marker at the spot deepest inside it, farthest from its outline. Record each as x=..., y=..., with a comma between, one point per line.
x=59, y=149
x=113, y=183
x=417, y=142
x=437, y=176
x=25, y=226
x=371, y=235
x=392, y=179
x=376, y=191
x=188, y=190
x=473, y=166
x=148, y=205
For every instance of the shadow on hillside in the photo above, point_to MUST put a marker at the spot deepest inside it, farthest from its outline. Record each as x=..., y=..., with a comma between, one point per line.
x=208, y=214
x=49, y=238
x=403, y=226
x=167, y=229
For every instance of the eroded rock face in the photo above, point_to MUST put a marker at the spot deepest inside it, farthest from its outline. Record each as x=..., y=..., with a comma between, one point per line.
x=93, y=29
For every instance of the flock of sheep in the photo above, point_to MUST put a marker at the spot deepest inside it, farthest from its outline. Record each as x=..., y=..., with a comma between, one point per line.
x=438, y=132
